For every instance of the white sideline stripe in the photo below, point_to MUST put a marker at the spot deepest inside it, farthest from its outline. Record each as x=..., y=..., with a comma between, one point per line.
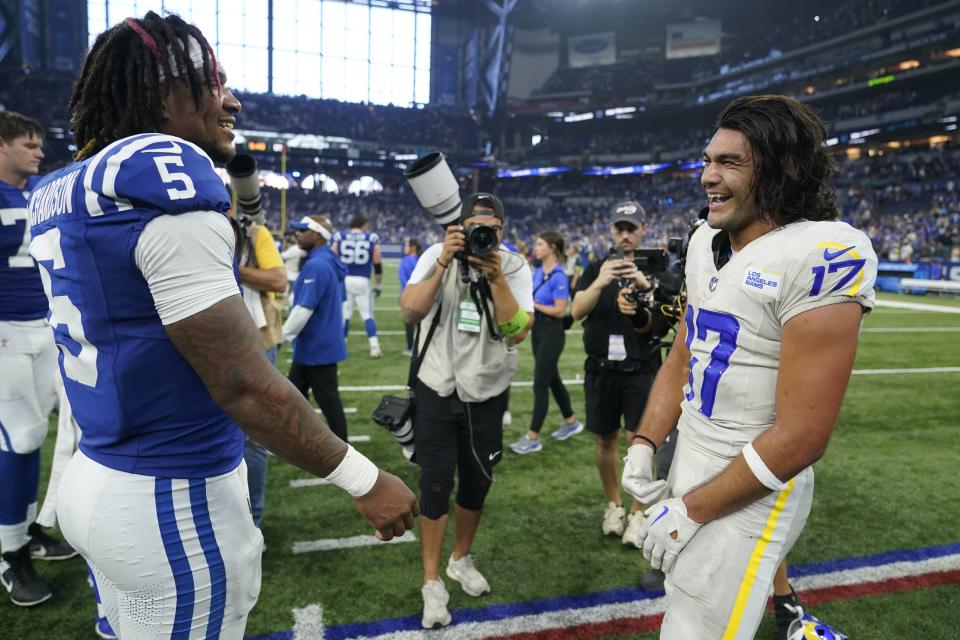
x=345, y=410
x=332, y=544
x=918, y=306
x=358, y=438
x=877, y=573
x=308, y=482
x=911, y=330
x=308, y=623
x=534, y=623
x=529, y=383
x=883, y=372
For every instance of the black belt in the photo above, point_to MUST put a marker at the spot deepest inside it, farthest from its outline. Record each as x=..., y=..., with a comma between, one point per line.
x=617, y=366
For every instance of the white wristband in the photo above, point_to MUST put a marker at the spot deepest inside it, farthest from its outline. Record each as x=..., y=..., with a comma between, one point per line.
x=355, y=474
x=760, y=469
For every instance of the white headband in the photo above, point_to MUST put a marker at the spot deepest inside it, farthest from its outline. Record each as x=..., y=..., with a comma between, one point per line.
x=196, y=58
x=313, y=225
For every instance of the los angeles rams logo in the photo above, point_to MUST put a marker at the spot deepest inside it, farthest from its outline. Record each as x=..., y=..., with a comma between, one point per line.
x=714, y=281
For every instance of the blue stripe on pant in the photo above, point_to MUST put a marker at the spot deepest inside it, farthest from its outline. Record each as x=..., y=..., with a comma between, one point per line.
x=177, y=557
x=211, y=551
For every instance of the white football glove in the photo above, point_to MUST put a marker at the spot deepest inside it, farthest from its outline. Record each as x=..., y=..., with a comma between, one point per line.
x=638, y=479
x=665, y=533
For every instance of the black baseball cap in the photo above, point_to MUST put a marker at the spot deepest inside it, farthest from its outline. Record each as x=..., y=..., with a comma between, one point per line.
x=628, y=211
x=484, y=201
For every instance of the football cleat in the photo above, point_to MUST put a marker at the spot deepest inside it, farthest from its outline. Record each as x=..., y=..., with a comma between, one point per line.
x=46, y=547
x=807, y=627
x=17, y=576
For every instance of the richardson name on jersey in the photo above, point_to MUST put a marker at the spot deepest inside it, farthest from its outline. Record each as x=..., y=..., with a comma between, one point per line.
x=54, y=199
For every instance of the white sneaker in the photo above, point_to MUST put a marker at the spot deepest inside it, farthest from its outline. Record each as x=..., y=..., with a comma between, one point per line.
x=631, y=536
x=463, y=571
x=435, y=599
x=375, y=353
x=613, y=520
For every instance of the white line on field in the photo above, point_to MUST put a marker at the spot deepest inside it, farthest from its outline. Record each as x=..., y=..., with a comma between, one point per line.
x=911, y=329
x=345, y=410
x=331, y=544
x=918, y=306
x=579, y=380
x=308, y=623
x=358, y=438
x=308, y=482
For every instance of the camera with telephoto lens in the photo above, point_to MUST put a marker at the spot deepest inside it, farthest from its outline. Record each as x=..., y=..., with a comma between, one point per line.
x=481, y=240
x=245, y=183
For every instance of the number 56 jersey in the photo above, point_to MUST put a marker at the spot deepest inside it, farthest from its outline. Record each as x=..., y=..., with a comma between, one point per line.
x=735, y=318
x=140, y=406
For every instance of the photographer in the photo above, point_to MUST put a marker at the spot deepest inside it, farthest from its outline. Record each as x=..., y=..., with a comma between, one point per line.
x=623, y=355
x=461, y=386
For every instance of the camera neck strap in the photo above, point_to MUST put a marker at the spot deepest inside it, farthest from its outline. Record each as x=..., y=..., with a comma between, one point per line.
x=418, y=354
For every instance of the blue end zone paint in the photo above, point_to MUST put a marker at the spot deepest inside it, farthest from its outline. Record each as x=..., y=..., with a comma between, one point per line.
x=615, y=596
x=889, y=557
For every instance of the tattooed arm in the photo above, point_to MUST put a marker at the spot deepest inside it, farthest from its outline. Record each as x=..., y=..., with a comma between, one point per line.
x=224, y=347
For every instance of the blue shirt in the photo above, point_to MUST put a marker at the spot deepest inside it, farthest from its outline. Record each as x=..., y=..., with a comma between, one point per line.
x=320, y=287
x=140, y=406
x=21, y=290
x=355, y=249
x=557, y=287
x=407, y=264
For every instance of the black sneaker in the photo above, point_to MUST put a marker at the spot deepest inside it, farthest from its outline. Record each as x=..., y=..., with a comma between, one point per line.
x=45, y=547
x=25, y=587
x=785, y=615
x=652, y=580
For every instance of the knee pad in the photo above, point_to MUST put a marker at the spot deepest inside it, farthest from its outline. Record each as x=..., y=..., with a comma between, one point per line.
x=436, y=485
x=473, y=489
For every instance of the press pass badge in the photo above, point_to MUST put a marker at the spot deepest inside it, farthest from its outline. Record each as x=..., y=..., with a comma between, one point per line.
x=616, y=350
x=468, y=319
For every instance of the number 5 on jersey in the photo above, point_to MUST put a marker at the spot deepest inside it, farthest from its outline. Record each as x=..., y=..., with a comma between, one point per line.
x=81, y=366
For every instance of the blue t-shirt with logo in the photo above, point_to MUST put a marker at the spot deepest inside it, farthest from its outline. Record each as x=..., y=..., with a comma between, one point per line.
x=320, y=287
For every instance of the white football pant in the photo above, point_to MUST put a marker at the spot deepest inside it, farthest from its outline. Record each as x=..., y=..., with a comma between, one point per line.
x=173, y=558
x=360, y=293
x=28, y=383
x=719, y=586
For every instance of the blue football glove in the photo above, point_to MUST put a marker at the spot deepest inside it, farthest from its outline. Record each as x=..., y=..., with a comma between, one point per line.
x=666, y=532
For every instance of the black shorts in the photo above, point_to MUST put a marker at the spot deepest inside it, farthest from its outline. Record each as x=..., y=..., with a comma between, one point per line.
x=612, y=396
x=446, y=438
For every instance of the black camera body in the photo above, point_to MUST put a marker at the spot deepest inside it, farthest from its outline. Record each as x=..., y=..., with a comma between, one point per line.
x=481, y=240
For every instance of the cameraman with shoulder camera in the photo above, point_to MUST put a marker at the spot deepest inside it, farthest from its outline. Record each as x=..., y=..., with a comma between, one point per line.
x=485, y=307
x=623, y=355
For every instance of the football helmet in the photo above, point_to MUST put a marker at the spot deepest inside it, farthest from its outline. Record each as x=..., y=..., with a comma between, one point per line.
x=807, y=627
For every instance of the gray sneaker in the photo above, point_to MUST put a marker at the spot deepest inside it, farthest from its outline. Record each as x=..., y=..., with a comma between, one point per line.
x=526, y=444
x=567, y=430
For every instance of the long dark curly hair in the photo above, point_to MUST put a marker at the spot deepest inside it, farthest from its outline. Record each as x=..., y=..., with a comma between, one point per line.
x=792, y=166
x=120, y=91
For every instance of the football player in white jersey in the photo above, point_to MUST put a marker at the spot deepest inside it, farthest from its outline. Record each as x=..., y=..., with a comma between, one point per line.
x=162, y=363
x=777, y=292
x=28, y=369
x=359, y=250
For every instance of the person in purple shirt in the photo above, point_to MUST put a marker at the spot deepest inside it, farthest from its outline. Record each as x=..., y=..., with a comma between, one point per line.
x=551, y=291
x=411, y=253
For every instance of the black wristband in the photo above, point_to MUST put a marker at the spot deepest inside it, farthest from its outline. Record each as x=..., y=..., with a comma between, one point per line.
x=441, y=264
x=646, y=439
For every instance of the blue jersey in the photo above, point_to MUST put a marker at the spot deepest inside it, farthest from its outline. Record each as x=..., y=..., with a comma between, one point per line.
x=355, y=249
x=320, y=287
x=140, y=406
x=407, y=264
x=21, y=291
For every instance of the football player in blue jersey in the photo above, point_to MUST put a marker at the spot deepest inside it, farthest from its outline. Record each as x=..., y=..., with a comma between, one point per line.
x=360, y=250
x=162, y=363
x=28, y=369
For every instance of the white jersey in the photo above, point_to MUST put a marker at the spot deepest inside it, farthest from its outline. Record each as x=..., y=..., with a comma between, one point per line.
x=735, y=318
